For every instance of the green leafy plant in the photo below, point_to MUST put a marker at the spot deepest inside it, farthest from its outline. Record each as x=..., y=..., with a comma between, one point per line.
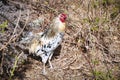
x=100, y=75
x=95, y=62
x=95, y=28
x=3, y=26
x=14, y=66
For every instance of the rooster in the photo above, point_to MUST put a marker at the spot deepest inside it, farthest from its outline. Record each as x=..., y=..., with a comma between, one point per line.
x=44, y=43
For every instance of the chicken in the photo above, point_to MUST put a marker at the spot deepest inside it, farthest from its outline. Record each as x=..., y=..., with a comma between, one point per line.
x=44, y=43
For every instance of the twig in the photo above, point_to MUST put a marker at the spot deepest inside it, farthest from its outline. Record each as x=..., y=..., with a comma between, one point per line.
x=50, y=8
x=102, y=47
x=4, y=46
x=88, y=60
x=13, y=38
x=23, y=27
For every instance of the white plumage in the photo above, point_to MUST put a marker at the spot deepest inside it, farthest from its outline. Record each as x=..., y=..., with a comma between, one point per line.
x=44, y=43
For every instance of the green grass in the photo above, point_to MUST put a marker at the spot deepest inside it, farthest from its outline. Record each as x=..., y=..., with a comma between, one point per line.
x=3, y=26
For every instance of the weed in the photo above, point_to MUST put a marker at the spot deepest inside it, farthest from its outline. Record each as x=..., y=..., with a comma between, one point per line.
x=3, y=26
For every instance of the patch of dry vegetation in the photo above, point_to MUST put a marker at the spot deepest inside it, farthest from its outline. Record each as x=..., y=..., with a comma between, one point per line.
x=91, y=46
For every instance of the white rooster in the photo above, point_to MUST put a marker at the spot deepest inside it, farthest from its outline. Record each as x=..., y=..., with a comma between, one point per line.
x=43, y=44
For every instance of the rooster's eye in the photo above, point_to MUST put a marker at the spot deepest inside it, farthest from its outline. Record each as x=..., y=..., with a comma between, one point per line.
x=64, y=17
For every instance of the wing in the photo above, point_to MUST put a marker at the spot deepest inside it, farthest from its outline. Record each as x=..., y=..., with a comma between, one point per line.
x=30, y=36
x=31, y=41
x=55, y=42
x=51, y=45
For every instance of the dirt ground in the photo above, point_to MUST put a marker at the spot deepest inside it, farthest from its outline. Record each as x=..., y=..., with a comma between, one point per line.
x=90, y=49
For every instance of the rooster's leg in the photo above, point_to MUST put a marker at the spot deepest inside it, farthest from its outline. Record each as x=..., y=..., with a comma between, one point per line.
x=50, y=61
x=44, y=60
x=44, y=71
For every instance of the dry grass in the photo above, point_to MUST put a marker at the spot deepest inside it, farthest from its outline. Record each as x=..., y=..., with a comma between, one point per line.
x=91, y=46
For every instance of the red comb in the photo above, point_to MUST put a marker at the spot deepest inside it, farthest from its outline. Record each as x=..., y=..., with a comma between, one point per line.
x=63, y=17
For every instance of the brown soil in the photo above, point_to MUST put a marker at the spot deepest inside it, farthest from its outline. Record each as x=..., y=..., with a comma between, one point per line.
x=91, y=45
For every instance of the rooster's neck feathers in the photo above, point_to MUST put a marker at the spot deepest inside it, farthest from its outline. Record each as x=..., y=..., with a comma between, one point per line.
x=56, y=27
